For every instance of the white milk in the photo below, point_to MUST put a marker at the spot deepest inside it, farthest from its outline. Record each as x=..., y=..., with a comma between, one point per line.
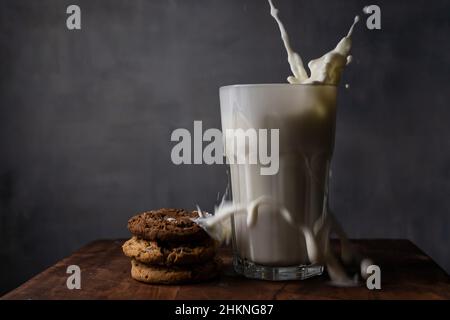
x=324, y=70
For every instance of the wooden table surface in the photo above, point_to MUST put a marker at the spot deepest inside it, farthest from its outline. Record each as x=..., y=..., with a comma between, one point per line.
x=406, y=273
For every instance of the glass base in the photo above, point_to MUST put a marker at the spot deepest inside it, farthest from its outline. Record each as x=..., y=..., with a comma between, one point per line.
x=255, y=271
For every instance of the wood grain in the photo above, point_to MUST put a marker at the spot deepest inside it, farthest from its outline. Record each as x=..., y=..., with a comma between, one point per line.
x=407, y=273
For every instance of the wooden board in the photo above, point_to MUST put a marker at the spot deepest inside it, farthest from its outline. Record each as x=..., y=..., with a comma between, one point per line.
x=406, y=273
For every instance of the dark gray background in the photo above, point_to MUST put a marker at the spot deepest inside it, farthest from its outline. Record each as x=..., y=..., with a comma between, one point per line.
x=86, y=116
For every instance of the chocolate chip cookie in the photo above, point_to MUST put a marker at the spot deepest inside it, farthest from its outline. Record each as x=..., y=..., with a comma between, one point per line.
x=152, y=252
x=167, y=225
x=175, y=274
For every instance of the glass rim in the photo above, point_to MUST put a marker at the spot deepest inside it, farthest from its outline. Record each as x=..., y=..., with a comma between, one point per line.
x=277, y=85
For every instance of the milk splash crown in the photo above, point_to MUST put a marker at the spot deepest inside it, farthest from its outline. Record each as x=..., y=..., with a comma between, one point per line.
x=324, y=70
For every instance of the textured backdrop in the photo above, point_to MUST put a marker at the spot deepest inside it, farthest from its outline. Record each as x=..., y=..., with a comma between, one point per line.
x=86, y=116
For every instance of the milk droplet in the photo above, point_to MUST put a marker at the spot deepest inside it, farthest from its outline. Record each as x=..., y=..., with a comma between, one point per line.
x=349, y=59
x=365, y=263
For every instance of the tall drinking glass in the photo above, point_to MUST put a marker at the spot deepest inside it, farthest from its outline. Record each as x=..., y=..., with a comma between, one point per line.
x=305, y=115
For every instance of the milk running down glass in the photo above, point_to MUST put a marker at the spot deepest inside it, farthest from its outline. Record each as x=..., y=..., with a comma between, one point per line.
x=305, y=116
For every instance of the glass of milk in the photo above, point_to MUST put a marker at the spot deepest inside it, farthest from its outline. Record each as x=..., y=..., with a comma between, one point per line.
x=270, y=244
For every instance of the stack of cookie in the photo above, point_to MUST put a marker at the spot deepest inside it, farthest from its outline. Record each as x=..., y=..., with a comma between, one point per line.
x=168, y=247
